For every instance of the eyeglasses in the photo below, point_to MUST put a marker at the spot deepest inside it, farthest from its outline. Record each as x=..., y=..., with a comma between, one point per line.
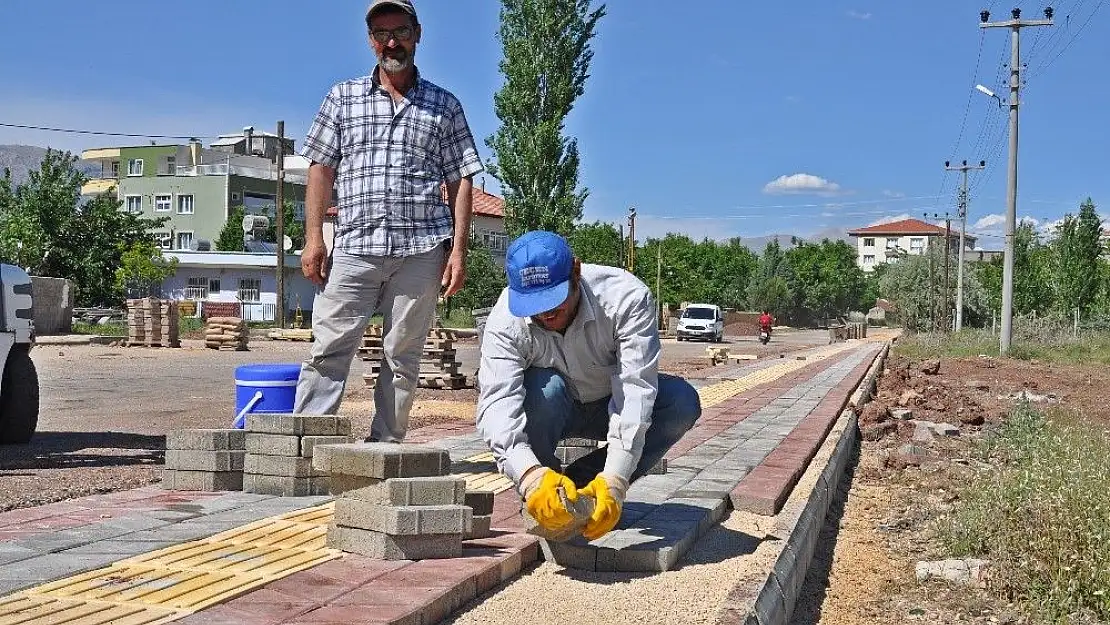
x=403, y=33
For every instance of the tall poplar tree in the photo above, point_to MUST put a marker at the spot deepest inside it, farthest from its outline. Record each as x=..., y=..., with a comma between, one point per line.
x=547, y=54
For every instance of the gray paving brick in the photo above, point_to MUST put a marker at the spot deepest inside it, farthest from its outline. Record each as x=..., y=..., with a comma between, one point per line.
x=202, y=480
x=401, y=520
x=284, y=486
x=308, y=443
x=10, y=553
x=54, y=566
x=385, y=547
x=579, y=442
x=206, y=439
x=60, y=540
x=135, y=522
x=284, y=466
x=383, y=460
x=659, y=468
x=298, y=424
x=480, y=501
x=339, y=483
x=190, y=460
x=479, y=527
x=416, y=491
x=273, y=444
x=575, y=553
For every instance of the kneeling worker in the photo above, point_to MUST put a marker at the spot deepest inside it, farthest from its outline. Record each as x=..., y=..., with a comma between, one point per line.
x=572, y=350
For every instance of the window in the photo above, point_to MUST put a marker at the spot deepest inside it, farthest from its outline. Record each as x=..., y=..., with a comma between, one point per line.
x=115, y=169
x=185, y=204
x=917, y=244
x=162, y=203
x=869, y=259
x=134, y=204
x=298, y=210
x=171, y=165
x=163, y=240
x=869, y=242
x=135, y=167
x=197, y=288
x=250, y=289
x=184, y=240
x=891, y=244
x=214, y=285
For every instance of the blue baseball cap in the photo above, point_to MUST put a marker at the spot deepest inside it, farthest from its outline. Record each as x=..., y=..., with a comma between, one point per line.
x=538, y=265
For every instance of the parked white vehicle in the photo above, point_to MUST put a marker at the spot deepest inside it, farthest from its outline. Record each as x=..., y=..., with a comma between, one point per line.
x=701, y=321
x=19, y=385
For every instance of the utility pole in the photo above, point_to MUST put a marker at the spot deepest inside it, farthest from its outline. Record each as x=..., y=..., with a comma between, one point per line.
x=932, y=285
x=632, y=239
x=1015, y=25
x=946, y=301
x=279, y=216
x=962, y=214
x=622, y=249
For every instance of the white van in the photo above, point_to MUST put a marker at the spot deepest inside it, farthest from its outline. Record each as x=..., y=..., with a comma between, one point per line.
x=701, y=321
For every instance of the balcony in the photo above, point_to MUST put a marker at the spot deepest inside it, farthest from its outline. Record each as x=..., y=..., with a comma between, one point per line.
x=224, y=169
x=96, y=186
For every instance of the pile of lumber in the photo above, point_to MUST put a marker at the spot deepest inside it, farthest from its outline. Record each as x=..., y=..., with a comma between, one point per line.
x=226, y=333
x=439, y=364
x=153, y=323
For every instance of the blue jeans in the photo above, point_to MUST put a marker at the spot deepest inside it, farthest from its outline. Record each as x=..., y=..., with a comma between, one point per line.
x=552, y=414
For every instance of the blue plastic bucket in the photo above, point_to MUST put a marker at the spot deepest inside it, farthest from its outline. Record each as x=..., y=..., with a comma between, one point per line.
x=264, y=388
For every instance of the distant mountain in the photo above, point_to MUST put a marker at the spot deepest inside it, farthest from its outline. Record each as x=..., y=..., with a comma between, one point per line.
x=23, y=159
x=756, y=244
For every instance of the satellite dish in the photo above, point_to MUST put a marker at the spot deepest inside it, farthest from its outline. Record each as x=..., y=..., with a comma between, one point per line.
x=287, y=243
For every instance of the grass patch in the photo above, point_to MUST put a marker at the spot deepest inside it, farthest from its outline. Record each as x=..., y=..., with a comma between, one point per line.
x=457, y=319
x=99, y=329
x=1042, y=516
x=1089, y=347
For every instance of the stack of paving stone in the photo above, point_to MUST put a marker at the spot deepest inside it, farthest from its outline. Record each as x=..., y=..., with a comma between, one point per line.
x=408, y=509
x=207, y=460
x=571, y=449
x=280, y=450
x=153, y=323
x=226, y=333
x=439, y=364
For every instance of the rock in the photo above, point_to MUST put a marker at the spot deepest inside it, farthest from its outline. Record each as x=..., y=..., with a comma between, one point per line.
x=909, y=455
x=901, y=414
x=1033, y=397
x=945, y=429
x=922, y=433
x=937, y=406
x=978, y=385
x=959, y=572
x=972, y=418
x=909, y=398
x=930, y=367
x=875, y=412
x=876, y=431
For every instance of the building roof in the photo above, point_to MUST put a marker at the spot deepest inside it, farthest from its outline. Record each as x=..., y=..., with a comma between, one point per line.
x=906, y=227
x=237, y=260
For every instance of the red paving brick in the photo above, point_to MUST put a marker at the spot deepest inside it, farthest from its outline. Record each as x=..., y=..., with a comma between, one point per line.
x=766, y=488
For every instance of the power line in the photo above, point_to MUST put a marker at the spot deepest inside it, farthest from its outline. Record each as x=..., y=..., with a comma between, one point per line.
x=101, y=133
x=1044, y=66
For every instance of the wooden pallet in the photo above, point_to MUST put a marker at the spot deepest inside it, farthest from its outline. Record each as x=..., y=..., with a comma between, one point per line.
x=453, y=382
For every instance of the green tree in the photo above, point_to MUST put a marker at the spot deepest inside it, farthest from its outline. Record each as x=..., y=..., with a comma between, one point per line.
x=143, y=269
x=485, y=279
x=915, y=287
x=1033, y=290
x=547, y=54
x=231, y=236
x=598, y=243
x=294, y=228
x=769, y=287
x=46, y=228
x=826, y=280
x=1075, y=254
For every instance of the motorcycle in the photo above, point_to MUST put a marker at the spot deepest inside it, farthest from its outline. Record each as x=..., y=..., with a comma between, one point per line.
x=764, y=336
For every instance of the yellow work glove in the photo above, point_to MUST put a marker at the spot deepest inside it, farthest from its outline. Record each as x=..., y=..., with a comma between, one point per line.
x=542, y=501
x=608, y=491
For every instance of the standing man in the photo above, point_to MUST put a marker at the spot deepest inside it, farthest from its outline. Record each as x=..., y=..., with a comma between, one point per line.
x=386, y=142
x=573, y=350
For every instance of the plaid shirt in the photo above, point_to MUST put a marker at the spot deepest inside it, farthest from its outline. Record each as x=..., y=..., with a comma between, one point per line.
x=390, y=161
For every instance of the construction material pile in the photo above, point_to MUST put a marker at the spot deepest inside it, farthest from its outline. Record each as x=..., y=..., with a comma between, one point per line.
x=439, y=364
x=153, y=322
x=226, y=333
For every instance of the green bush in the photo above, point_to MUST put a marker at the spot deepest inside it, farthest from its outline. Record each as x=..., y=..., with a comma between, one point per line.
x=1041, y=514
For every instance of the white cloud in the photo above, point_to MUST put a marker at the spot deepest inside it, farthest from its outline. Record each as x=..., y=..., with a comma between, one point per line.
x=893, y=194
x=1032, y=221
x=890, y=219
x=859, y=15
x=801, y=184
x=989, y=222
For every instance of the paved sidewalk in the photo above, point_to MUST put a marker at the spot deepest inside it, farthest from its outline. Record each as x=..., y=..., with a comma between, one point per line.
x=758, y=432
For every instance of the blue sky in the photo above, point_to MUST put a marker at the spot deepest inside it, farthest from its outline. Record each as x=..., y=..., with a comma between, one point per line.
x=691, y=116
